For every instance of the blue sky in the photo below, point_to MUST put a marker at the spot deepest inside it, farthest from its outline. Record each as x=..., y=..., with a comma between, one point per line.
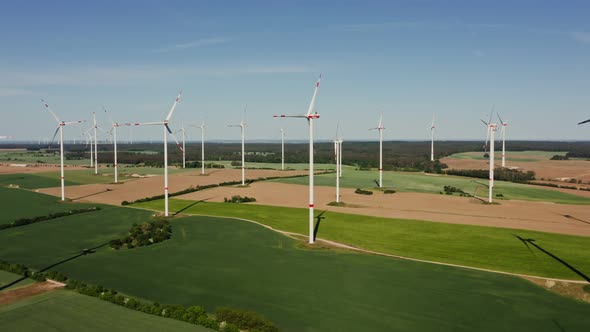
x=407, y=59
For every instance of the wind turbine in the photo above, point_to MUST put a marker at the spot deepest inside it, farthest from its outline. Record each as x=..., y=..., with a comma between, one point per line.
x=584, y=122
x=183, y=145
x=491, y=131
x=166, y=131
x=337, y=159
x=380, y=128
x=432, y=127
x=504, y=125
x=95, y=144
x=282, y=149
x=242, y=125
x=202, y=127
x=310, y=117
x=115, y=125
x=60, y=126
x=340, y=155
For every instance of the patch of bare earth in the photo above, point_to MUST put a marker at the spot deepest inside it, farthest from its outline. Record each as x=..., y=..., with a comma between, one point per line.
x=152, y=186
x=28, y=291
x=569, y=289
x=539, y=216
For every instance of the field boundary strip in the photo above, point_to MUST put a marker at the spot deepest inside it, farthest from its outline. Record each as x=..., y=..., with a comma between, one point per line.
x=352, y=248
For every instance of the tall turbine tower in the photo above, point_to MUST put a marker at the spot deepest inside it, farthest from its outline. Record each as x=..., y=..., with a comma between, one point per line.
x=491, y=132
x=182, y=129
x=337, y=160
x=242, y=125
x=202, y=127
x=282, y=149
x=60, y=128
x=310, y=116
x=380, y=128
x=166, y=131
x=432, y=139
x=95, y=144
x=504, y=125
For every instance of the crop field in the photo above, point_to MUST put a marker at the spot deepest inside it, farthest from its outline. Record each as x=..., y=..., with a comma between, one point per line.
x=511, y=156
x=36, y=157
x=477, y=246
x=219, y=261
x=433, y=183
x=69, y=311
x=7, y=277
x=291, y=166
x=18, y=203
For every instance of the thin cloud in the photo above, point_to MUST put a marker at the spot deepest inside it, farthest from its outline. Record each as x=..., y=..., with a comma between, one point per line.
x=581, y=36
x=193, y=44
x=384, y=26
x=11, y=92
x=124, y=76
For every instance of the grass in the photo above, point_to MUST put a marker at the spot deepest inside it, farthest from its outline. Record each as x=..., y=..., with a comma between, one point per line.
x=299, y=166
x=7, y=277
x=515, y=156
x=219, y=261
x=68, y=311
x=427, y=183
x=18, y=203
x=477, y=246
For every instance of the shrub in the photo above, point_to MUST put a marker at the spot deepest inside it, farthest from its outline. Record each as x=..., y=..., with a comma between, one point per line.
x=363, y=192
x=245, y=320
x=145, y=234
x=239, y=199
x=389, y=191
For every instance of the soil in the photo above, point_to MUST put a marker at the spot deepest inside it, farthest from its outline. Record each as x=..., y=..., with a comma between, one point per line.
x=569, y=289
x=28, y=291
x=539, y=216
x=5, y=168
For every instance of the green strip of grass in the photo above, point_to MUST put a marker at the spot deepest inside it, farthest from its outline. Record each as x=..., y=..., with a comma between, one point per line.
x=68, y=311
x=7, y=277
x=476, y=246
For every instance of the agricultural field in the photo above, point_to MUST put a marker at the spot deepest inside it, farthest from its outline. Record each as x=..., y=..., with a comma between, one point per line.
x=220, y=261
x=511, y=156
x=69, y=311
x=288, y=166
x=7, y=278
x=476, y=246
x=434, y=183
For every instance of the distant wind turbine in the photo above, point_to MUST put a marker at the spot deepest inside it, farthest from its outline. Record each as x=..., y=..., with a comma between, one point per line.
x=242, y=125
x=282, y=149
x=202, y=127
x=337, y=160
x=380, y=128
x=166, y=131
x=60, y=126
x=115, y=125
x=432, y=127
x=309, y=116
x=504, y=125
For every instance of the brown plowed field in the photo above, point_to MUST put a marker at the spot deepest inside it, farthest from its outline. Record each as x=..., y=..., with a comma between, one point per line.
x=540, y=216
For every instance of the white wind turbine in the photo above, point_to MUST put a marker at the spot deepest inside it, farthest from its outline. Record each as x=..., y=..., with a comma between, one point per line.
x=432, y=127
x=242, y=125
x=337, y=142
x=202, y=127
x=282, y=149
x=504, y=125
x=166, y=131
x=310, y=116
x=340, y=156
x=491, y=132
x=95, y=144
x=380, y=128
x=183, y=130
x=60, y=126
x=89, y=139
x=115, y=125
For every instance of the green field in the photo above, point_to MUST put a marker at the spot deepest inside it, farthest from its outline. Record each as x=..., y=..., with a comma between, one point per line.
x=511, y=156
x=68, y=311
x=219, y=261
x=300, y=166
x=7, y=277
x=18, y=203
x=477, y=246
x=434, y=183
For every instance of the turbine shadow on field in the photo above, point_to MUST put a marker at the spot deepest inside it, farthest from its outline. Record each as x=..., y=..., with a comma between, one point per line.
x=81, y=253
x=191, y=205
x=93, y=194
x=574, y=218
x=566, y=264
x=316, y=229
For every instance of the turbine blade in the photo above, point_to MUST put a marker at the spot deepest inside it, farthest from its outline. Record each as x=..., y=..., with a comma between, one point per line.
x=50, y=111
x=148, y=123
x=73, y=122
x=54, y=134
x=174, y=106
x=175, y=140
x=499, y=118
x=108, y=115
x=491, y=113
x=380, y=121
x=584, y=122
x=289, y=116
x=315, y=93
x=168, y=128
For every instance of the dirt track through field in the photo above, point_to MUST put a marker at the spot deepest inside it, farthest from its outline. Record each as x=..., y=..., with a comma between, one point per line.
x=28, y=291
x=540, y=216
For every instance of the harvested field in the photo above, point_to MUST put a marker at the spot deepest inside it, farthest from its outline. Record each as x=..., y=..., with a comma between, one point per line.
x=6, y=168
x=539, y=216
x=28, y=291
x=151, y=186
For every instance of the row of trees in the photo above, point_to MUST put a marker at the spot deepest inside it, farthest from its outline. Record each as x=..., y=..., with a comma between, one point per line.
x=501, y=174
x=27, y=221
